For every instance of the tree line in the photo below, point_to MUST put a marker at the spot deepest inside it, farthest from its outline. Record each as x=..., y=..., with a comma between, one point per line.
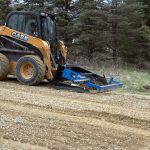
x=97, y=30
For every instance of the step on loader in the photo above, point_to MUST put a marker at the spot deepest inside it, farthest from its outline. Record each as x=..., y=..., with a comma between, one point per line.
x=31, y=51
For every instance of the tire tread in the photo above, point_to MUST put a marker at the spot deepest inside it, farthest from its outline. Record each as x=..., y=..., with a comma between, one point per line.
x=5, y=67
x=41, y=69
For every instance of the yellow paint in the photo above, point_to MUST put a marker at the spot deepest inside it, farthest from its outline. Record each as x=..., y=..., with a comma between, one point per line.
x=61, y=47
x=41, y=45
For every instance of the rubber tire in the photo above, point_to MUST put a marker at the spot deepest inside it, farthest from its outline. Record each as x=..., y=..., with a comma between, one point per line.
x=4, y=67
x=39, y=67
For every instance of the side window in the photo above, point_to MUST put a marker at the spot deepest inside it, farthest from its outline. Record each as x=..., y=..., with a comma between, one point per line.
x=24, y=23
x=30, y=25
x=12, y=22
x=21, y=23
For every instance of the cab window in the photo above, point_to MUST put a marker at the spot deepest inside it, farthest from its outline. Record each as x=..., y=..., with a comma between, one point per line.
x=12, y=22
x=24, y=23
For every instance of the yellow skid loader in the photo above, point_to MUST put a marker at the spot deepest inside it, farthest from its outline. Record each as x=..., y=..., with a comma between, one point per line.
x=30, y=50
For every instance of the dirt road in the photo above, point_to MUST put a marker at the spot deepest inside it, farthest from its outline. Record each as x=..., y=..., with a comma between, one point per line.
x=40, y=118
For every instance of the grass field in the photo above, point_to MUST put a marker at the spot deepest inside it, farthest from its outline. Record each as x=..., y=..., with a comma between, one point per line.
x=135, y=81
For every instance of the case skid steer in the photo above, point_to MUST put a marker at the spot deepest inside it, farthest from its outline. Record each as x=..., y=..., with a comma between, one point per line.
x=30, y=50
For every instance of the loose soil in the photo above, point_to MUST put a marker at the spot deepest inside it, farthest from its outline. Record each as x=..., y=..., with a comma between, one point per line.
x=41, y=118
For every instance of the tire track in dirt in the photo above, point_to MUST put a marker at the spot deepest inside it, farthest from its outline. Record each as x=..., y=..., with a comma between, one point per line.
x=53, y=115
x=60, y=134
x=64, y=103
x=66, y=120
x=7, y=144
x=133, y=102
x=113, y=118
x=45, y=89
x=78, y=107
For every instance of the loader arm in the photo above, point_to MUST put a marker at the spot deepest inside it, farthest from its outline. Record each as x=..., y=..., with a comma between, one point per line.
x=41, y=45
x=60, y=47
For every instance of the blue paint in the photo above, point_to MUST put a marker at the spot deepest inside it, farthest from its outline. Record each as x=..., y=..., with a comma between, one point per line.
x=76, y=77
x=73, y=76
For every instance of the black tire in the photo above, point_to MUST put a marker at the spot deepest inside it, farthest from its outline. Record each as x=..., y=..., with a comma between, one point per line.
x=38, y=70
x=4, y=67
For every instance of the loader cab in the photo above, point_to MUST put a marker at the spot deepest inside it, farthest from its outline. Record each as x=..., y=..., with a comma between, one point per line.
x=38, y=25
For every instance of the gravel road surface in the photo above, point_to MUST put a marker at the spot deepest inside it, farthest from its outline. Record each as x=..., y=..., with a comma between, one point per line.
x=41, y=118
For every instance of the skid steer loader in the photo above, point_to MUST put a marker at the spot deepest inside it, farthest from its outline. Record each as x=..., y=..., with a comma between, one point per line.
x=30, y=50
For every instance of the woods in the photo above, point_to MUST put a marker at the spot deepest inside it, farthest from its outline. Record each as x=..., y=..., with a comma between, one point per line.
x=97, y=30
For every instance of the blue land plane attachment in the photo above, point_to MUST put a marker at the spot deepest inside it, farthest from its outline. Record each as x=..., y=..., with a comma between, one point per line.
x=85, y=79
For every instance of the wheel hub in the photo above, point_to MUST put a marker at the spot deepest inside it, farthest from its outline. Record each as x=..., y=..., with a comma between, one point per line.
x=27, y=71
